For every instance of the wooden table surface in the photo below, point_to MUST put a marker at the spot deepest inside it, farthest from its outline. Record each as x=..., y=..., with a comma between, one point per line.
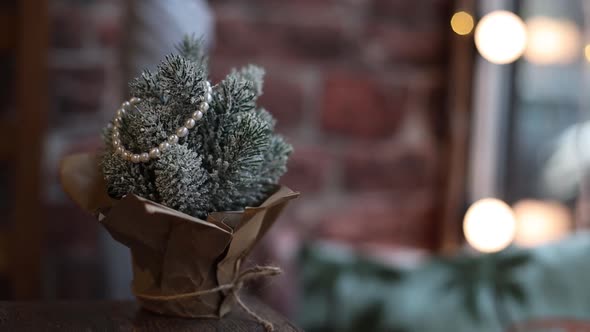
x=125, y=316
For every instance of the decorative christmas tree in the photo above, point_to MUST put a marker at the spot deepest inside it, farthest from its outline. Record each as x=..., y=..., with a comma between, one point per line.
x=191, y=147
x=188, y=181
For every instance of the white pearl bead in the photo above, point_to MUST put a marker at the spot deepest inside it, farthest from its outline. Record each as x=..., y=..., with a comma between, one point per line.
x=181, y=132
x=190, y=123
x=198, y=115
x=155, y=152
x=164, y=146
x=173, y=139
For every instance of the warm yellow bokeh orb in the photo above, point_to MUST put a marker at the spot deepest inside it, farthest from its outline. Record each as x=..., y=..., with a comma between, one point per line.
x=540, y=222
x=587, y=52
x=462, y=23
x=489, y=225
x=552, y=41
x=501, y=37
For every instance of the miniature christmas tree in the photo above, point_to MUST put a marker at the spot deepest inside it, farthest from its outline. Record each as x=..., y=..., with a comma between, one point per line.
x=230, y=159
x=176, y=151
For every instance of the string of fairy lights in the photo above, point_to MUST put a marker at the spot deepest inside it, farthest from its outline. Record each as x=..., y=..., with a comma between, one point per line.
x=502, y=37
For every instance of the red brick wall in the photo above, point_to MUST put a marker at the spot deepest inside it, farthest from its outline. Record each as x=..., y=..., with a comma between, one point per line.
x=358, y=87
x=84, y=89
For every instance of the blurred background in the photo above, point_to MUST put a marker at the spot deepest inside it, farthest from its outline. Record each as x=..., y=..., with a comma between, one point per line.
x=441, y=149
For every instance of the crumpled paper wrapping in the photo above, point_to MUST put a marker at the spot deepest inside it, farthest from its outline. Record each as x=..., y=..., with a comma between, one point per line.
x=173, y=253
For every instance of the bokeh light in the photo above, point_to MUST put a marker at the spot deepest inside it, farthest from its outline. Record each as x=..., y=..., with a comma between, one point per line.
x=587, y=52
x=462, y=23
x=489, y=225
x=501, y=37
x=540, y=222
x=552, y=41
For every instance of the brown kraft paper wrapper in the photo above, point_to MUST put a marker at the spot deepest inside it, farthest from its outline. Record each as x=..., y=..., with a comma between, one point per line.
x=173, y=253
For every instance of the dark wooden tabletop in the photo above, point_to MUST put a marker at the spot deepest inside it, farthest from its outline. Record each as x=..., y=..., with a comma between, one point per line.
x=125, y=316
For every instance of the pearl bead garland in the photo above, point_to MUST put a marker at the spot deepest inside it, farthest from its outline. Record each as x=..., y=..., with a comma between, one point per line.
x=155, y=152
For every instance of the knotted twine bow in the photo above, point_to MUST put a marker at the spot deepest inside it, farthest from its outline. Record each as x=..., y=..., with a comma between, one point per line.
x=233, y=288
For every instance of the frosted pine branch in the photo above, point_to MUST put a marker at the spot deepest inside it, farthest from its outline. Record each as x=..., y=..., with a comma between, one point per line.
x=230, y=160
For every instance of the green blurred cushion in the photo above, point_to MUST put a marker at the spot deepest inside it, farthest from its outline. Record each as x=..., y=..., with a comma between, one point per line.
x=343, y=291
